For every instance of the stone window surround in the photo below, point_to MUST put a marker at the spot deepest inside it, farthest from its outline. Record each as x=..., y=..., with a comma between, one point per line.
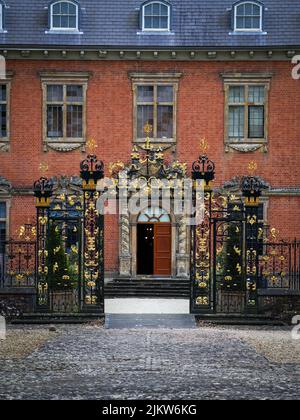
x=139, y=79
x=6, y=141
x=64, y=78
x=239, y=79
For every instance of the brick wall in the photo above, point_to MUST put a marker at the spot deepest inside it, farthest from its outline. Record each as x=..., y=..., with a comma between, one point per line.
x=109, y=121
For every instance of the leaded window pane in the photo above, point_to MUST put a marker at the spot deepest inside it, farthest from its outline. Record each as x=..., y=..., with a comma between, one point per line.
x=57, y=9
x=54, y=121
x=55, y=93
x=256, y=122
x=64, y=22
x=72, y=22
x=3, y=116
x=74, y=93
x=256, y=94
x=144, y=116
x=236, y=122
x=2, y=210
x=145, y=94
x=165, y=94
x=237, y=94
x=2, y=237
x=256, y=10
x=165, y=122
x=74, y=121
x=3, y=93
x=248, y=9
x=65, y=8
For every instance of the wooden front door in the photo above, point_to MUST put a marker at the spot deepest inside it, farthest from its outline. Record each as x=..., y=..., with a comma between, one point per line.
x=162, y=249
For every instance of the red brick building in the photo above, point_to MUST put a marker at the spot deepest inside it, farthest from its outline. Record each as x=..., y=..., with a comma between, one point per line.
x=218, y=70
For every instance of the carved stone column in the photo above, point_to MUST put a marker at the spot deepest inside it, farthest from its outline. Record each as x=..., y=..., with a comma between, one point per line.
x=182, y=267
x=125, y=255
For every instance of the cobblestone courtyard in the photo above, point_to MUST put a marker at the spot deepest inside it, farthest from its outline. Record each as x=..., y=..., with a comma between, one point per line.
x=90, y=362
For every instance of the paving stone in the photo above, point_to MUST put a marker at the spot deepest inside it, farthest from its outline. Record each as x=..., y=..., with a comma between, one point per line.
x=98, y=363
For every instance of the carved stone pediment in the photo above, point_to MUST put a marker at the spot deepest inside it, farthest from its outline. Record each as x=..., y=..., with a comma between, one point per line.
x=5, y=186
x=4, y=146
x=63, y=147
x=66, y=184
x=246, y=147
x=235, y=184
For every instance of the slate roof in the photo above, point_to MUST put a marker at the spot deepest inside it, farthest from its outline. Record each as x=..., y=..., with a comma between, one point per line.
x=115, y=23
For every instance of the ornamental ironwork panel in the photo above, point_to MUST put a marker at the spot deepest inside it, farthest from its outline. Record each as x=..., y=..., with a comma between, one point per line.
x=279, y=265
x=64, y=250
x=93, y=254
x=201, y=279
x=229, y=264
x=18, y=263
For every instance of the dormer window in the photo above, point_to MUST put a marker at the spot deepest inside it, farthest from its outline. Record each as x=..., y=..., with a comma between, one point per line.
x=156, y=16
x=64, y=16
x=2, y=7
x=248, y=16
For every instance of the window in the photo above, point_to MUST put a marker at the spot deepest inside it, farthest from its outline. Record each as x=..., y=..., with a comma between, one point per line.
x=154, y=215
x=248, y=16
x=64, y=111
x=64, y=15
x=4, y=116
x=246, y=111
x=155, y=103
x=1, y=16
x=3, y=221
x=156, y=16
x=246, y=108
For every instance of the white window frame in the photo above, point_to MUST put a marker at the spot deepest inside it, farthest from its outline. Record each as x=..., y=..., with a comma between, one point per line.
x=260, y=29
x=156, y=29
x=54, y=28
x=1, y=17
x=6, y=219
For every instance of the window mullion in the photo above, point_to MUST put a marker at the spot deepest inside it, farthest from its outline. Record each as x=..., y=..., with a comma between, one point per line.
x=155, y=112
x=65, y=112
x=246, y=129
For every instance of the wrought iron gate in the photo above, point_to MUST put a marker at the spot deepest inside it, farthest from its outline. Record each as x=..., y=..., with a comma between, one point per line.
x=70, y=254
x=229, y=247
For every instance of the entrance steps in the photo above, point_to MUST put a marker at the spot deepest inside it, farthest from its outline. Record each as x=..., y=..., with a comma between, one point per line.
x=150, y=322
x=148, y=288
x=147, y=306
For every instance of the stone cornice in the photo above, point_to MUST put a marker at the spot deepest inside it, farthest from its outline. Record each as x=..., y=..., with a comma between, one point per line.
x=69, y=75
x=150, y=54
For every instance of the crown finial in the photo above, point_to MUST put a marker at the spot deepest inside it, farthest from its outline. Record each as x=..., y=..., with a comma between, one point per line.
x=148, y=129
x=204, y=146
x=43, y=168
x=91, y=146
x=252, y=167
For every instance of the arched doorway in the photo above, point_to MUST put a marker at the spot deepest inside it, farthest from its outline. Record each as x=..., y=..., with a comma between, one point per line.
x=154, y=243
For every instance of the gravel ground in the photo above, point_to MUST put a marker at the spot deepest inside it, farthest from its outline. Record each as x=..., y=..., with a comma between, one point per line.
x=90, y=362
x=21, y=342
x=276, y=345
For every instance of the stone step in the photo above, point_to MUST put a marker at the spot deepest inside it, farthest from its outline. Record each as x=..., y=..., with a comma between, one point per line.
x=165, y=288
x=150, y=321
